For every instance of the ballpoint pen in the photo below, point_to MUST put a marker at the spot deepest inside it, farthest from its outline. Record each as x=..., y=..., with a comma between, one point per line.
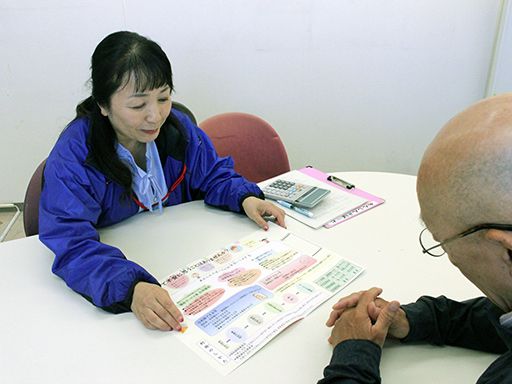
x=338, y=181
x=302, y=211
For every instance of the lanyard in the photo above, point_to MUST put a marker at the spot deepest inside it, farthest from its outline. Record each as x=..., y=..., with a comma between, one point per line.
x=172, y=188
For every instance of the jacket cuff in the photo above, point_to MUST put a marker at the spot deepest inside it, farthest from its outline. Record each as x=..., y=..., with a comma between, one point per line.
x=420, y=323
x=126, y=304
x=354, y=361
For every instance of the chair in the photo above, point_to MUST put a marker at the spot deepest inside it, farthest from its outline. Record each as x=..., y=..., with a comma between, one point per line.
x=182, y=108
x=254, y=145
x=31, y=202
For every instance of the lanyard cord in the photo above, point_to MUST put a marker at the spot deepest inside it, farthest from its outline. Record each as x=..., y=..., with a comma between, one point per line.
x=172, y=188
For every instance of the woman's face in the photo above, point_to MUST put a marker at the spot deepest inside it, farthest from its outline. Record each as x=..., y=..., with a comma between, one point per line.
x=138, y=116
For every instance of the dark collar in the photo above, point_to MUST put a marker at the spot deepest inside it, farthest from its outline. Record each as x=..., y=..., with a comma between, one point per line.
x=172, y=140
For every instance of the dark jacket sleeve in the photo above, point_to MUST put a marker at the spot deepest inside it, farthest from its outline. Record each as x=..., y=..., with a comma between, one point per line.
x=464, y=324
x=353, y=362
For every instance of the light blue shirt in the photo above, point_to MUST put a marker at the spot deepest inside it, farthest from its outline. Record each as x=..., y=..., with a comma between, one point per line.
x=149, y=185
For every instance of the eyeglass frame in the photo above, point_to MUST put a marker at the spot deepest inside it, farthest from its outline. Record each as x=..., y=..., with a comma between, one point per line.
x=476, y=228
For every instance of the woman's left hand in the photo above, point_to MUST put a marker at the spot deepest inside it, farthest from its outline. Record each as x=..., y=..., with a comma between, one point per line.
x=256, y=208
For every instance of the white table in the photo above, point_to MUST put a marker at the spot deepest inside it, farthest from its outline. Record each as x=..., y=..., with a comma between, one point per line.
x=50, y=334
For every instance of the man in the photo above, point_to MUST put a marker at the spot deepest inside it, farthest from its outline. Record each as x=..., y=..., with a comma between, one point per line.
x=464, y=181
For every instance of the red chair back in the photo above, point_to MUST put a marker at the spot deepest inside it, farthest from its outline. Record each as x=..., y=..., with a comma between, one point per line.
x=254, y=145
x=31, y=202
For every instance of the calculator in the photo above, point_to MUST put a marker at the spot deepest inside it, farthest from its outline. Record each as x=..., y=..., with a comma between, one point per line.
x=301, y=195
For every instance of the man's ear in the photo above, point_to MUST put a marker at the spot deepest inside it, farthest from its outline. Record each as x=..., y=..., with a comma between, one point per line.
x=103, y=110
x=502, y=237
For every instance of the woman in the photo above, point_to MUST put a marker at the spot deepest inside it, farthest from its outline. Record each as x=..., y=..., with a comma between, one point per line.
x=128, y=151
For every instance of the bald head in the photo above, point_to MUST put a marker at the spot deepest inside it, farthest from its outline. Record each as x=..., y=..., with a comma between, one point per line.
x=465, y=177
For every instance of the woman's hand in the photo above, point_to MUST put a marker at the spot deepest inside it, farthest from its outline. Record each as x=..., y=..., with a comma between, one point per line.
x=256, y=208
x=154, y=308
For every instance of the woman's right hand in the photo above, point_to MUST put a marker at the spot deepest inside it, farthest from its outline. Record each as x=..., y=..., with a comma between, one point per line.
x=154, y=308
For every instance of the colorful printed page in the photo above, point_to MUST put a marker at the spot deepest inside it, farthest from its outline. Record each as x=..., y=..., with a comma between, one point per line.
x=240, y=297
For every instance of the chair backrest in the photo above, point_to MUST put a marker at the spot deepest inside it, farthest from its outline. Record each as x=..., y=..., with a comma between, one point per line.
x=254, y=145
x=182, y=108
x=31, y=202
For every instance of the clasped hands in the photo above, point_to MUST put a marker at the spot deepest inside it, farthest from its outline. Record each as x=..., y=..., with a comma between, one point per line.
x=364, y=315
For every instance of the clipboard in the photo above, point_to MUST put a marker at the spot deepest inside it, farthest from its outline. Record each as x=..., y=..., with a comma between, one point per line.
x=338, y=206
x=372, y=201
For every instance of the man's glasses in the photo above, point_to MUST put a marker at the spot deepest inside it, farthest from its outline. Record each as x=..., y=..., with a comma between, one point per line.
x=435, y=248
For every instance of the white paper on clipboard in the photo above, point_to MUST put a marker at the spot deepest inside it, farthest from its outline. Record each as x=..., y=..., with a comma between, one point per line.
x=333, y=205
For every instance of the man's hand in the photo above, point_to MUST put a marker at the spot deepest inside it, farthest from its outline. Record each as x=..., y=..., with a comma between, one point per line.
x=398, y=329
x=256, y=208
x=153, y=306
x=363, y=320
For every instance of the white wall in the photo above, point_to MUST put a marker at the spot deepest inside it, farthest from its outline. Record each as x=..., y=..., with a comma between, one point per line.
x=500, y=76
x=349, y=85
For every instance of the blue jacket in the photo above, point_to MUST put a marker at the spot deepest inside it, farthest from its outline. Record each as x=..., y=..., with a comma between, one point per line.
x=77, y=199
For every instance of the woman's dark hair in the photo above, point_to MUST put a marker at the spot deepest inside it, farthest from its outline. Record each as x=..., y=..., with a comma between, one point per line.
x=119, y=58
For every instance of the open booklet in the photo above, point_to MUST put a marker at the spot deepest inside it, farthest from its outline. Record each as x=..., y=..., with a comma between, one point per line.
x=237, y=299
x=339, y=205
